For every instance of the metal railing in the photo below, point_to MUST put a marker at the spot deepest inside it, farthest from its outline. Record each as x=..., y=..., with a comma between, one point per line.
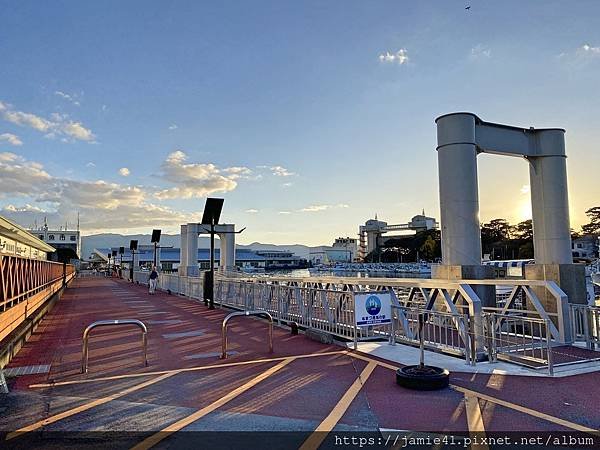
x=519, y=339
x=445, y=332
x=99, y=323
x=183, y=285
x=22, y=278
x=247, y=314
x=456, y=315
x=91, y=273
x=585, y=321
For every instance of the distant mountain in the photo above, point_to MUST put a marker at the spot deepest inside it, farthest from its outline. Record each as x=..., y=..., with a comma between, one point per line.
x=106, y=240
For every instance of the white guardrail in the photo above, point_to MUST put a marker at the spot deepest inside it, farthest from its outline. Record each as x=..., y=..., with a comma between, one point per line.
x=457, y=322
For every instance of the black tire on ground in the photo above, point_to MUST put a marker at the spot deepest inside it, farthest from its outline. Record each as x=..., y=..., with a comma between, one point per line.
x=430, y=379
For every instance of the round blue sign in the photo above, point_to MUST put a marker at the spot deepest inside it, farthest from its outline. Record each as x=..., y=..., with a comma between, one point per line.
x=373, y=305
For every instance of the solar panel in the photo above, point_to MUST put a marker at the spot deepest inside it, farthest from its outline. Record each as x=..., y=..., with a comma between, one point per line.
x=212, y=211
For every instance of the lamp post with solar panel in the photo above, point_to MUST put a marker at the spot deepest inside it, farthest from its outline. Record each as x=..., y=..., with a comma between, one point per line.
x=114, y=258
x=133, y=245
x=121, y=253
x=211, y=216
x=156, y=240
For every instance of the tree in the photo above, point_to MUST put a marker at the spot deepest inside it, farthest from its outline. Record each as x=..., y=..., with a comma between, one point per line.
x=594, y=226
x=526, y=250
x=523, y=231
x=428, y=249
x=496, y=230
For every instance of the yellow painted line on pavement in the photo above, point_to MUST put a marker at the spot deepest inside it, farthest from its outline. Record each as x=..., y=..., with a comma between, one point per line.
x=166, y=432
x=317, y=437
x=85, y=407
x=474, y=419
x=531, y=412
x=186, y=369
x=523, y=409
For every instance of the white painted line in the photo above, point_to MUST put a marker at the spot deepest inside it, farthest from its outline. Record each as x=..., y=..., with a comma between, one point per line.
x=26, y=370
x=209, y=355
x=183, y=334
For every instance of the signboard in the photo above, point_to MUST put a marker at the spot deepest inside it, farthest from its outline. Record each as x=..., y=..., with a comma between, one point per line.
x=372, y=308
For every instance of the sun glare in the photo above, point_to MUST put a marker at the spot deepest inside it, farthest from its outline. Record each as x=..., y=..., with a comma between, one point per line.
x=525, y=210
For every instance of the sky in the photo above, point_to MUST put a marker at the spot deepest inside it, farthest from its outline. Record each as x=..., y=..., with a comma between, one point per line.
x=307, y=117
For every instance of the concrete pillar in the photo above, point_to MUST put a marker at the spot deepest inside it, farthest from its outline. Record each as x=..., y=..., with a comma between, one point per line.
x=191, y=260
x=459, y=197
x=372, y=237
x=182, y=271
x=550, y=199
x=227, y=247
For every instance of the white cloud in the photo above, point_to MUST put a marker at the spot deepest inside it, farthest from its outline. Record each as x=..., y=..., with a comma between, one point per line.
x=90, y=164
x=173, y=127
x=102, y=205
x=124, y=171
x=580, y=57
x=12, y=139
x=318, y=208
x=480, y=52
x=237, y=172
x=21, y=177
x=251, y=211
x=525, y=189
x=194, y=180
x=315, y=208
x=285, y=213
x=278, y=171
x=589, y=50
x=58, y=125
x=76, y=130
x=70, y=97
x=400, y=57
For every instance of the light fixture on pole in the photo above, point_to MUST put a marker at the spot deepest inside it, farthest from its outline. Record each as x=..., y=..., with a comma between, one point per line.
x=155, y=240
x=211, y=216
x=133, y=245
x=121, y=253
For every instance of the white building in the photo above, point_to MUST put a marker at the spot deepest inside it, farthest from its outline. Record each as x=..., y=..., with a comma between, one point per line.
x=17, y=241
x=342, y=250
x=348, y=244
x=585, y=247
x=61, y=238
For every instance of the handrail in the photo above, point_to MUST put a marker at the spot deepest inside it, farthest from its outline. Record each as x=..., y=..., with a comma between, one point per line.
x=244, y=313
x=99, y=323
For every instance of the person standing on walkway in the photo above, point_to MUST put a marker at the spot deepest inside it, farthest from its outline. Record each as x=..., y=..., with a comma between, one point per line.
x=152, y=280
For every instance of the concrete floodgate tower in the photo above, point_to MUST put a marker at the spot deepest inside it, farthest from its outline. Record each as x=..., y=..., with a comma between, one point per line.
x=461, y=137
x=189, y=247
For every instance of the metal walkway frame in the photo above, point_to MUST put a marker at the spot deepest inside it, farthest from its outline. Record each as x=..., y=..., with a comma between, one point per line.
x=247, y=314
x=100, y=323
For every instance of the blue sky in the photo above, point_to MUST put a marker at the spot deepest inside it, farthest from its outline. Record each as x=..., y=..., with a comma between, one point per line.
x=308, y=117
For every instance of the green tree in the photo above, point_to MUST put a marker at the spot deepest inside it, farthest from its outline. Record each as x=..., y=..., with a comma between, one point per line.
x=523, y=231
x=428, y=249
x=526, y=250
x=594, y=226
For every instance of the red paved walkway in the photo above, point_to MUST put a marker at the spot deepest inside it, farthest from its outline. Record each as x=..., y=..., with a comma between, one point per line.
x=297, y=394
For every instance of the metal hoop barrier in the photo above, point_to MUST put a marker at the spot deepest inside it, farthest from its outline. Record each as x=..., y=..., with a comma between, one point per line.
x=244, y=313
x=99, y=323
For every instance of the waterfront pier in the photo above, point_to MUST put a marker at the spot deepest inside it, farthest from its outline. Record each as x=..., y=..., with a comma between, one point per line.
x=89, y=355
x=311, y=389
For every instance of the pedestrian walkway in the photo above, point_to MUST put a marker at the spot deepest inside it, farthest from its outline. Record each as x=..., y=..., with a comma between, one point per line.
x=304, y=387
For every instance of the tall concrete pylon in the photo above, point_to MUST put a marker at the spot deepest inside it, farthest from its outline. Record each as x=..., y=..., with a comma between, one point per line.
x=189, y=247
x=461, y=137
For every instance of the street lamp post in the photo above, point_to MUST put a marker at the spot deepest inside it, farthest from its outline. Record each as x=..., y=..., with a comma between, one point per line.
x=133, y=245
